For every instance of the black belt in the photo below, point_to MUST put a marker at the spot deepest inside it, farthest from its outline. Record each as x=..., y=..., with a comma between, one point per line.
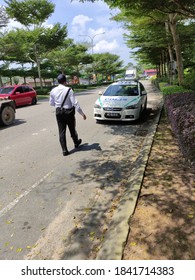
x=69, y=109
x=65, y=109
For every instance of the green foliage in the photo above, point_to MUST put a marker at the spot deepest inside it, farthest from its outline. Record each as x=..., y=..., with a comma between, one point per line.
x=162, y=85
x=166, y=88
x=189, y=80
x=162, y=80
x=30, y=12
x=51, y=38
x=43, y=91
x=155, y=30
x=16, y=80
x=69, y=57
x=183, y=7
x=35, y=40
x=172, y=89
x=108, y=64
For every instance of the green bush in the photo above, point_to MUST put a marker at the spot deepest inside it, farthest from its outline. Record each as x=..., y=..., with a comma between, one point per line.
x=75, y=87
x=43, y=91
x=161, y=85
x=189, y=80
x=157, y=81
x=172, y=89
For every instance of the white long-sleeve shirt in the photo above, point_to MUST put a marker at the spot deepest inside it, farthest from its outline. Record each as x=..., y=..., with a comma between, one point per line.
x=57, y=96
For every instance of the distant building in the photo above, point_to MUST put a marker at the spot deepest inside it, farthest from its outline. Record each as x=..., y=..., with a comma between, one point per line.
x=150, y=72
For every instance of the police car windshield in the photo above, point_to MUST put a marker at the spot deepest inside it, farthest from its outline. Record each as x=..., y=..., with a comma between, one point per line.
x=122, y=90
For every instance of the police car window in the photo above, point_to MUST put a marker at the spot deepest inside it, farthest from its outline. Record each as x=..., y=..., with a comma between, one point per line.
x=121, y=90
x=131, y=91
x=142, y=87
x=113, y=91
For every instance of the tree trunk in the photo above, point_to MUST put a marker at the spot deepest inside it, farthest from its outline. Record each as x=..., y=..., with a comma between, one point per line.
x=35, y=82
x=161, y=66
x=1, y=82
x=39, y=73
x=171, y=72
x=177, y=45
x=37, y=56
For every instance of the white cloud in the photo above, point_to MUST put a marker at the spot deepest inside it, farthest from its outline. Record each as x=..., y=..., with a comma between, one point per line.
x=115, y=33
x=97, y=34
x=105, y=46
x=11, y=25
x=81, y=21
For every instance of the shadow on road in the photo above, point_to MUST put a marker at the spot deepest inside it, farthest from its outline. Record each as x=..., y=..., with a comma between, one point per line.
x=109, y=170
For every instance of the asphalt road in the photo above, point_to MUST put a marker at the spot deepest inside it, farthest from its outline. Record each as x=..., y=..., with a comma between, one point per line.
x=55, y=207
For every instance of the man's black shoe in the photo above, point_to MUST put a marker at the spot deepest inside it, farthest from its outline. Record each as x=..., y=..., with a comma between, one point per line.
x=65, y=153
x=78, y=143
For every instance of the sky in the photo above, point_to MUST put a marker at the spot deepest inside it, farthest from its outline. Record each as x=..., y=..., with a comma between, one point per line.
x=90, y=19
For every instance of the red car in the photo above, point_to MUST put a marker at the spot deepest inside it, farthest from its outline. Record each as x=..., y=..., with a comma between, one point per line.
x=20, y=94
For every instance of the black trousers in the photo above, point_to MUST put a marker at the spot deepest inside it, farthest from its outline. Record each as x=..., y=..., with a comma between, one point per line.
x=63, y=121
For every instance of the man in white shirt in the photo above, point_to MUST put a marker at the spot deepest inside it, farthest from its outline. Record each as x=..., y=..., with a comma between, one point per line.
x=57, y=95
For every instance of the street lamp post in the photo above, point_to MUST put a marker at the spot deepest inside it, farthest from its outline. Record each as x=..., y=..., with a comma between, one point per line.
x=92, y=39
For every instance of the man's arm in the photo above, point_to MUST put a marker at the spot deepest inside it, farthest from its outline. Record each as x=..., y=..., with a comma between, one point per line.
x=75, y=103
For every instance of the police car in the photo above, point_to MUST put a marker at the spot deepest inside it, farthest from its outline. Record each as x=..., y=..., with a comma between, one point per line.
x=122, y=101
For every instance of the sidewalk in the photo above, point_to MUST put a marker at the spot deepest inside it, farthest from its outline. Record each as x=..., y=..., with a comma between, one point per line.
x=163, y=224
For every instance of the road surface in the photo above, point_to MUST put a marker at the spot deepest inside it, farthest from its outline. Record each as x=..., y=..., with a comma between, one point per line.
x=55, y=207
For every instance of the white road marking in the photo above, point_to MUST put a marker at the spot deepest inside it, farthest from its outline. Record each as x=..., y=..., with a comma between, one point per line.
x=15, y=201
x=42, y=130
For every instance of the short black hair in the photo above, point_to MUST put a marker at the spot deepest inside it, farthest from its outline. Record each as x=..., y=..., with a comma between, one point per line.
x=61, y=78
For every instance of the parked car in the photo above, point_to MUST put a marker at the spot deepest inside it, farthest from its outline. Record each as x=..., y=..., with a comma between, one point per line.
x=122, y=101
x=20, y=94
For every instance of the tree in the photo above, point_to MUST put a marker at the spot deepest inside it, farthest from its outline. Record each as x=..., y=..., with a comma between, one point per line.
x=67, y=58
x=107, y=65
x=158, y=9
x=42, y=41
x=14, y=46
x=148, y=36
x=39, y=40
x=4, y=20
x=26, y=46
x=173, y=10
x=30, y=12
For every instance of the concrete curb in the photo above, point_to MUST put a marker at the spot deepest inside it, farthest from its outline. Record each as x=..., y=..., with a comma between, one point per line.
x=115, y=240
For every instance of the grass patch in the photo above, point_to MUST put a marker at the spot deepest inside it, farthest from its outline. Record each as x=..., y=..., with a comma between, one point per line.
x=41, y=97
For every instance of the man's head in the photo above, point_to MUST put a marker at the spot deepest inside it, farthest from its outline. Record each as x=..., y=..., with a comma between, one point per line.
x=61, y=79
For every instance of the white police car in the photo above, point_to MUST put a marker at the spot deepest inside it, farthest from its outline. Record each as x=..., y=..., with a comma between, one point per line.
x=122, y=101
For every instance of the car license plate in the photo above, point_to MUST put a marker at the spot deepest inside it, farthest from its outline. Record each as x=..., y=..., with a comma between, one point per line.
x=112, y=114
